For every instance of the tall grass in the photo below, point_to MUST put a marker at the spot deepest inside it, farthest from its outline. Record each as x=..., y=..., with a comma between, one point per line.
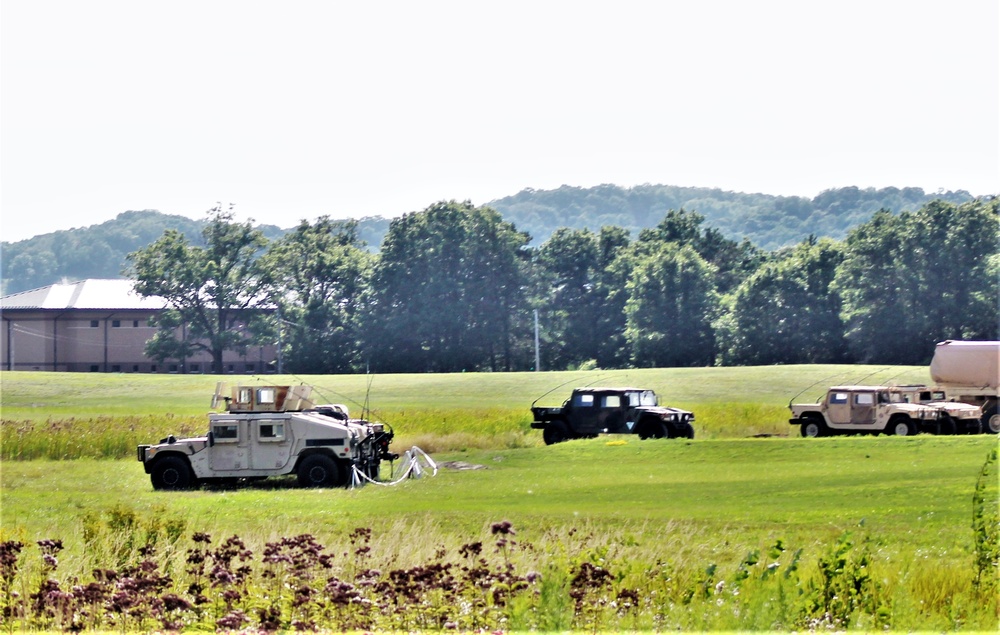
x=721, y=533
x=103, y=437
x=433, y=429
x=72, y=415
x=143, y=575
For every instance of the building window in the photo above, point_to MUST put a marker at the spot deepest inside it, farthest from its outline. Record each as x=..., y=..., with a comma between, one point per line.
x=152, y=368
x=94, y=368
x=116, y=368
x=173, y=368
x=250, y=368
x=195, y=368
x=135, y=368
x=93, y=324
x=116, y=324
x=135, y=324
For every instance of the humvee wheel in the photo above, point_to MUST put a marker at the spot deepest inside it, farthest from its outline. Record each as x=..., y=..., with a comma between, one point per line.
x=555, y=432
x=318, y=470
x=171, y=472
x=991, y=421
x=812, y=427
x=947, y=426
x=652, y=429
x=901, y=427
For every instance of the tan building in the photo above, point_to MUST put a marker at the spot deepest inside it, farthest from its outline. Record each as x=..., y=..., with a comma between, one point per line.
x=98, y=326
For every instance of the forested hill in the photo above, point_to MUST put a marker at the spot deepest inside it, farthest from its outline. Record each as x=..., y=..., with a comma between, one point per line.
x=99, y=251
x=768, y=221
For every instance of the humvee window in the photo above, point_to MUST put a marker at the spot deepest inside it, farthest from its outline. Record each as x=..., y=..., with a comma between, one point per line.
x=265, y=395
x=644, y=398
x=864, y=399
x=838, y=397
x=271, y=431
x=584, y=400
x=611, y=401
x=245, y=395
x=226, y=432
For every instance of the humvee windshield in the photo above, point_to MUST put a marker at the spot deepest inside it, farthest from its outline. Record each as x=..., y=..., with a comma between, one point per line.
x=642, y=398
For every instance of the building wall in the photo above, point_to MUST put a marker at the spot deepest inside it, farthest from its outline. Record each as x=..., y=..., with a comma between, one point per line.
x=104, y=341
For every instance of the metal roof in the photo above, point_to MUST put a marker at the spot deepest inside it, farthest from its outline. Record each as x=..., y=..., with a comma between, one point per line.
x=90, y=294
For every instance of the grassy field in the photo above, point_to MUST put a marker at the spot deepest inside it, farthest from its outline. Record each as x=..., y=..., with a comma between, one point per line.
x=64, y=415
x=675, y=521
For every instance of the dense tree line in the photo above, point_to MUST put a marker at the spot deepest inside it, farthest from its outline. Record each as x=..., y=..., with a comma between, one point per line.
x=455, y=287
x=769, y=222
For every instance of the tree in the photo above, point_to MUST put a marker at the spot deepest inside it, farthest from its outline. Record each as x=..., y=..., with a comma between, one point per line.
x=911, y=280
x=447, y=292
x=319, y=272
x=733, y=261
x=568, y=265
x=670, y=307
x=786, y=312
x=216, y=291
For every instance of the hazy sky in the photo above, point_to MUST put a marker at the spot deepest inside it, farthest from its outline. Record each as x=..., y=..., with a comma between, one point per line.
x=296, y=109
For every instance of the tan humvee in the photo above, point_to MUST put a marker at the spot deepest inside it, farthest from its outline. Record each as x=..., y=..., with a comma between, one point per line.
x=271, y=431
x=898, y=410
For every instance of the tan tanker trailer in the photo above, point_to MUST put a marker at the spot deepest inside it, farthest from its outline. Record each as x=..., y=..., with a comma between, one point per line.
x=969, y=372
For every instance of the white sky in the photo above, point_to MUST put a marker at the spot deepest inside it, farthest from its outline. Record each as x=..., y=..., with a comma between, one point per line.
x=295, y=109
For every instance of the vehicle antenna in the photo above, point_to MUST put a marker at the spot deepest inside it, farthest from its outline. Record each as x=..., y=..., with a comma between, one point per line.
x=570, y=381
x=365, y=410
x=813, y=385
x=324, y=391
x=876, y=372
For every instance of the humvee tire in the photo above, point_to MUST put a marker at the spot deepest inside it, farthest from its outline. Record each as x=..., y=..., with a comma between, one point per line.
x=171, y=472
x=652, y=429
x=901, y=427
x=318, y=470
x=813, y=427
x=991, y=420
x=555, y=432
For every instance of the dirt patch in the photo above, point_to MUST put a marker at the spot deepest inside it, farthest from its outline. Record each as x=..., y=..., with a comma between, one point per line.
x=461, y=465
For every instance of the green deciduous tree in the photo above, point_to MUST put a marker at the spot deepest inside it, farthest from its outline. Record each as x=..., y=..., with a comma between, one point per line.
x=670, y=307
x=568, y=265
x=733, y=261
x=911, y=280
x=215, y=290
x=786, y=313
x=319, y=272
x=447, y=292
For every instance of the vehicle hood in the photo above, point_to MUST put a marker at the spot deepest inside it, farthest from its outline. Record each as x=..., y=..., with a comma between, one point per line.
x=664, y=410
x=959, y=410
x=189, y=445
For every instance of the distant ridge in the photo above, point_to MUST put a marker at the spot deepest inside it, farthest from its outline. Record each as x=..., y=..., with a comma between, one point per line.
x=769, y=221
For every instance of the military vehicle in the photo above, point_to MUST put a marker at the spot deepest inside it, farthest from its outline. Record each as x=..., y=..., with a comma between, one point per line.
x=897, y=410
x=271, y=431
x=970, y=372
x=592, y=411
